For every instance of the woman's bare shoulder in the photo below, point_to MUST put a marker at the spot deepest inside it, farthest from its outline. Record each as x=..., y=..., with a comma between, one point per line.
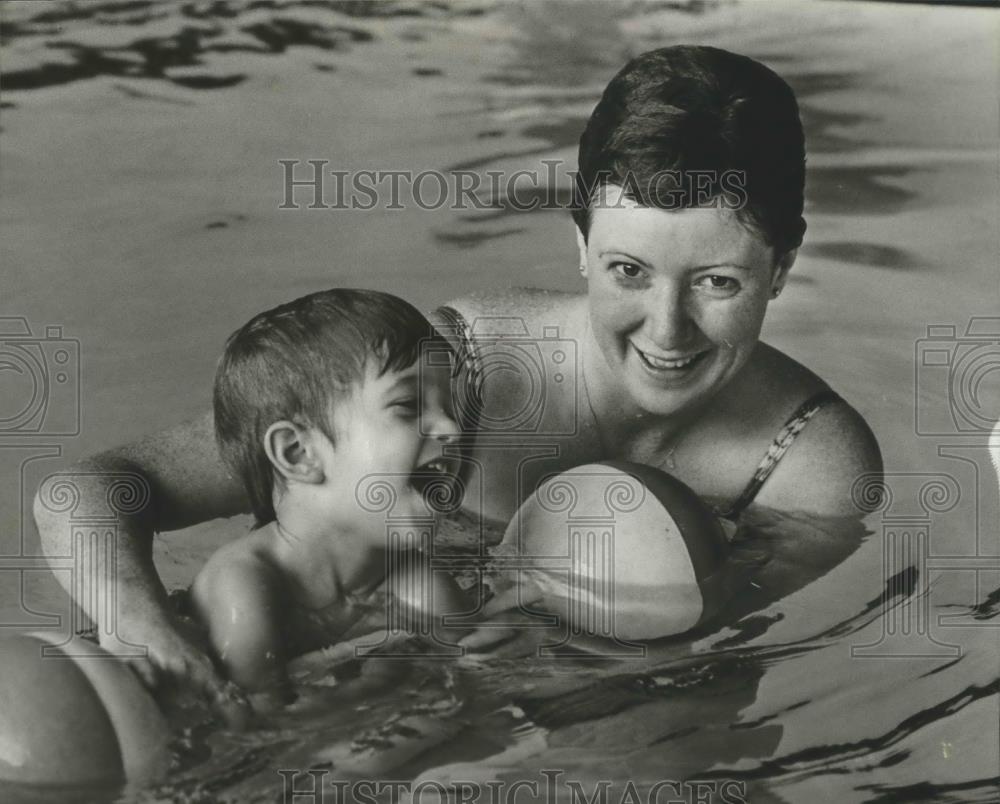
x=819, y=473
x=532, y=310
x=828, y=455
x=503, y=324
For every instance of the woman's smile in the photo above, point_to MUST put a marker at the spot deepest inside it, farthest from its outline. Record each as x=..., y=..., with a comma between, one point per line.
x=669, y=367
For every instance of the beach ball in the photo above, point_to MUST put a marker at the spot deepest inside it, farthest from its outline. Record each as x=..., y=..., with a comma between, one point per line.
x=621, y=550
x=75, y=715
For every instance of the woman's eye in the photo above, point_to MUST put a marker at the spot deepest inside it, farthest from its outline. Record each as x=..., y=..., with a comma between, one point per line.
x=627, y=270
x=716, y=282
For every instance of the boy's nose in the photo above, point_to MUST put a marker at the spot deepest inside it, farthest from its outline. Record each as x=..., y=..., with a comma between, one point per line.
x=444, y=428
x=450, y=434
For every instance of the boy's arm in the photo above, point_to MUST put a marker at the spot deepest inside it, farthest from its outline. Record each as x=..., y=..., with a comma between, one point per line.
x=182, y=477
x=239, y=599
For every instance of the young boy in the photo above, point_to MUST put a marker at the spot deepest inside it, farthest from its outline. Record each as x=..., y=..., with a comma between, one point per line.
x=323, y=406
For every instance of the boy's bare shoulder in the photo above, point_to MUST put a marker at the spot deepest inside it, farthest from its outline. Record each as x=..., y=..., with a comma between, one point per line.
x=242, y=563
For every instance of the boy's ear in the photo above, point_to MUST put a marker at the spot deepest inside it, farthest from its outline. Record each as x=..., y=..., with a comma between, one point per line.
x=291, y=449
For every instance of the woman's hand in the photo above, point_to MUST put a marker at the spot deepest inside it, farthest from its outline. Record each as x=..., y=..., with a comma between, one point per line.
x=176, y=658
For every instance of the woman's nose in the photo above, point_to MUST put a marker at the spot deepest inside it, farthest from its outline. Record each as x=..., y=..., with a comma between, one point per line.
x=668, y=320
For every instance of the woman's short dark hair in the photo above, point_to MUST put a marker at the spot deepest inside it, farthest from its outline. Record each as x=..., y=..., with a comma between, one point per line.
x=683, y=123
x=294, y=362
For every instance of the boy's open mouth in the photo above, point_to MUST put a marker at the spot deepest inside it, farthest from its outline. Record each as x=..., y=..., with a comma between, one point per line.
x=437, y=481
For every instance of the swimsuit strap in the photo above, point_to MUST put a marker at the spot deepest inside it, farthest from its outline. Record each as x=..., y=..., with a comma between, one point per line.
x=468, y=365
x=779, y=447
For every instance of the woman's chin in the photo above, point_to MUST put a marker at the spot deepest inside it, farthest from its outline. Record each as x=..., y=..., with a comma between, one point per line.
x=658, y=402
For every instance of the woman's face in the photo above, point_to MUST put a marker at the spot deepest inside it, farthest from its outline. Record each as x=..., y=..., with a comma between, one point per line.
x=677, y=298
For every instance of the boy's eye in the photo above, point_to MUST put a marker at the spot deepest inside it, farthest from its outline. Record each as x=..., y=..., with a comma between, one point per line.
x=408, y=404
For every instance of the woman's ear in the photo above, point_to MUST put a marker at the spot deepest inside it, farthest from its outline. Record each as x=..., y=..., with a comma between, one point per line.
x=291, y=449
x=581, y=244
x=782, y=266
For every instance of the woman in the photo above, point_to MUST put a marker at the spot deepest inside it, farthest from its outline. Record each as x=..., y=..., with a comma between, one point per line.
x=689, y=214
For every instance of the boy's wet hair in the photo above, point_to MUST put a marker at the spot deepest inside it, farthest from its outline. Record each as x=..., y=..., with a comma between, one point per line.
x=683, y=123
x=294, y=362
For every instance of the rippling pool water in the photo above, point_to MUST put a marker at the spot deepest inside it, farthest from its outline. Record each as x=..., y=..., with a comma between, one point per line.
x=141, y=187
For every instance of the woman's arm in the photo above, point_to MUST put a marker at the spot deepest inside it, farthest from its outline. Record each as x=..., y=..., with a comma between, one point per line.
x=187, y=484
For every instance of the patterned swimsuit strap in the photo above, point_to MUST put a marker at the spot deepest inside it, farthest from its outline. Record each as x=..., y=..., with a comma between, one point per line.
x=779, y=447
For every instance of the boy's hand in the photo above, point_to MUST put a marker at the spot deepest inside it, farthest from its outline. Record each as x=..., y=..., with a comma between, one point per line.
x=174, y=658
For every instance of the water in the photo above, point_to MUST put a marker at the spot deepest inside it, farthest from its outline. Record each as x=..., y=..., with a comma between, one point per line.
x=141, y=189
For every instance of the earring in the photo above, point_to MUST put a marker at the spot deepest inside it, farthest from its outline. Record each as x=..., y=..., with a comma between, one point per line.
x=583, y=269
x=776, y=292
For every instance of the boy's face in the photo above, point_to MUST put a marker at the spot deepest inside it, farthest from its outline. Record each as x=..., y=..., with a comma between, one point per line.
x=387, y=459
